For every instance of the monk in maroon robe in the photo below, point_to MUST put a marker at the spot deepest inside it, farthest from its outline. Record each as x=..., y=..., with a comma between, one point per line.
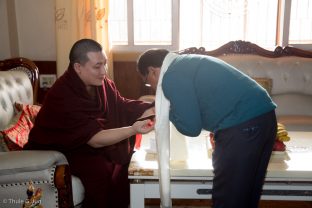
x=85, y=117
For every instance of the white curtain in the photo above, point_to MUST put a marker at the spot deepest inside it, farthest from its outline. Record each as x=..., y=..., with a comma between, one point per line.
x=77, y=19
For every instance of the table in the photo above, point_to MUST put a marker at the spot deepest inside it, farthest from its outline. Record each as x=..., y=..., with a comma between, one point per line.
x=289, y=175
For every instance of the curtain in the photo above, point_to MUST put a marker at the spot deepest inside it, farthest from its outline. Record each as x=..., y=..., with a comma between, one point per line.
x=77, y=19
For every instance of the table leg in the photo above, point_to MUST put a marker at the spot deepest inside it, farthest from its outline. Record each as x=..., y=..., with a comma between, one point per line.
x=137, y=195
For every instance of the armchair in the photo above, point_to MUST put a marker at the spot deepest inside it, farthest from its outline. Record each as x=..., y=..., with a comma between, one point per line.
x=47, y=170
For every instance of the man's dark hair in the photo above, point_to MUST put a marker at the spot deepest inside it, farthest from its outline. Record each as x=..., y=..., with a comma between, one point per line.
x=78, y=52
x=151, y=57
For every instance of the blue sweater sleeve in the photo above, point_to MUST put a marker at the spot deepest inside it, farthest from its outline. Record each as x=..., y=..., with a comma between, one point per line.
x=184, y=109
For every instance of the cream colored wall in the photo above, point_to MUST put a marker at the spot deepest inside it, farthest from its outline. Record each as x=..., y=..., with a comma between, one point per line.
x=4, y=34
x=33, y=21
x=36, y=27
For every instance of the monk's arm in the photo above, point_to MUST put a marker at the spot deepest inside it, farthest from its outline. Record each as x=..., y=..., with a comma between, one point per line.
x=113, y=136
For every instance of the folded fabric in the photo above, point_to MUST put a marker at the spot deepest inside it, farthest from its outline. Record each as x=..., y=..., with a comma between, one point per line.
x=16, y=135
x=266, y=83
x=29, y=109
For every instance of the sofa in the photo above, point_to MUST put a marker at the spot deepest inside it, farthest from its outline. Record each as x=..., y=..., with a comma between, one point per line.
x=286, y=73
x=41, y=177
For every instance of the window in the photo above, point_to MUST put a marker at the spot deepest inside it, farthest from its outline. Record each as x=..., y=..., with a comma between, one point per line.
x=118, y=22
x=175, y=24
x=217, y=22
x=153, y=24
x=300, y=30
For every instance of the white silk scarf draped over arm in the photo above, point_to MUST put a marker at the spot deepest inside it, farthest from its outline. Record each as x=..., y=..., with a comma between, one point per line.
x=162, y=130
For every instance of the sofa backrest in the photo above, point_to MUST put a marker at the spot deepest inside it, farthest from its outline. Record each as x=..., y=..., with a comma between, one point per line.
x=288, y=69
x=18, y=83
x=291, y=80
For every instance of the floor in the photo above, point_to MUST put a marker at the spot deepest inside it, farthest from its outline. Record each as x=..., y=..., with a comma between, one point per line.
x=154, y=203
x=180, y=203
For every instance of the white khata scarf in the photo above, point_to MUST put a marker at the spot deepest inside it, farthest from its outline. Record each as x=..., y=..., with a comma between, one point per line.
x=162, y=131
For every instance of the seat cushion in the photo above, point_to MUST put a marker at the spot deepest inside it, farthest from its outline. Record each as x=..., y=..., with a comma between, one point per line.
x=78, y=190
x=296, y=123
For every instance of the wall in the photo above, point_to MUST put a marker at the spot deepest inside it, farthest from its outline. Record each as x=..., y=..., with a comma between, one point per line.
x=36, y=29
x=32, y=22
x=4, y=34
x=128, y=80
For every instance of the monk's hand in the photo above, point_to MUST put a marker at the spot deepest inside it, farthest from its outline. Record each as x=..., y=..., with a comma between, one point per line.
x=143, y=126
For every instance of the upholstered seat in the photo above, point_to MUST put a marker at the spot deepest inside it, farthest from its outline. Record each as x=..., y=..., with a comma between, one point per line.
x=47, y=170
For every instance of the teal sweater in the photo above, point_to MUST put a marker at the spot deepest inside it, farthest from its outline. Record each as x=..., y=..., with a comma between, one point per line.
x=207, y=93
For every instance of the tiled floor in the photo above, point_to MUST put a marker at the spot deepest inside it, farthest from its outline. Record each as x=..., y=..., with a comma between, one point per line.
x=180, y=206
x=207, y=204
x=180, y=203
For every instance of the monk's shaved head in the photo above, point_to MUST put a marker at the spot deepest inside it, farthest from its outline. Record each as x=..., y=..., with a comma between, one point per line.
x=78, y=53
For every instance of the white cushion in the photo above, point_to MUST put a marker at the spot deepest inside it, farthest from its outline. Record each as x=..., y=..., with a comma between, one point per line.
x=78, y=190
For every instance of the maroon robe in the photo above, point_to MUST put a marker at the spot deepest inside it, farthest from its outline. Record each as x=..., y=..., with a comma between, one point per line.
x=67, y=121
